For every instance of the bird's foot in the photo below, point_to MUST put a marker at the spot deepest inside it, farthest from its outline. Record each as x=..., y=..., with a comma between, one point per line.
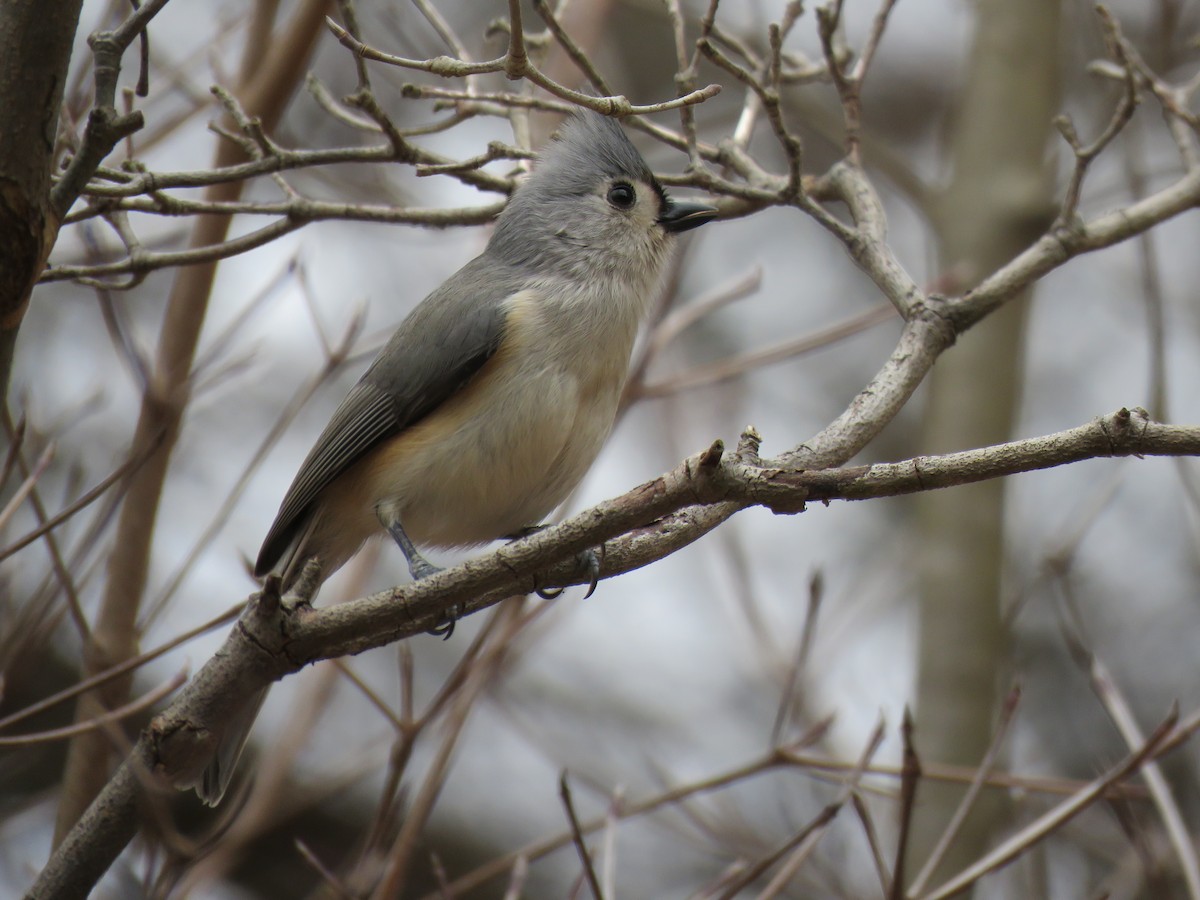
x=419, y=567
x=445, y=628
x=422, y=568
x=587, y=562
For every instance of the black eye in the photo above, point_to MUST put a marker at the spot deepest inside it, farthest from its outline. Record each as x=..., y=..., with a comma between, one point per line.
x=622, y=195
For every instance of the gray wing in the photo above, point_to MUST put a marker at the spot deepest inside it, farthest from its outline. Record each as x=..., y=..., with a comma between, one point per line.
x=443, y=343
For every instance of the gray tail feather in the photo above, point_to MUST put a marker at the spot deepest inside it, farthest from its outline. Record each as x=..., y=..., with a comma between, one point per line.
x=215, y=780
x=216, y=777
x=292, y=559
x=297, y=554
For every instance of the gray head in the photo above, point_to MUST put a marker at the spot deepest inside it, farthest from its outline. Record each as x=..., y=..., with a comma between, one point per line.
x=592, y=203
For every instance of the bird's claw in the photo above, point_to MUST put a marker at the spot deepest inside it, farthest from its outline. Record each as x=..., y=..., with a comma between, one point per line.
x=587, y=562
x=446, y=628
x=547, y=593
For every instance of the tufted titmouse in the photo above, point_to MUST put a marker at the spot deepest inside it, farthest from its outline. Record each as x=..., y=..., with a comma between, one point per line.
x=496, y=393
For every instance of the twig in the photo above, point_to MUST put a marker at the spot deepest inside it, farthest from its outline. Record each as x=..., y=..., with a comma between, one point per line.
x=1053, y=819
x=16, y=441
x=1007, y=710
x=1055, y=248
x=740, y=364
x=572, y=49
x=1182, y=123
x=495, y=150
x=350, y=15
x=45, y=532
x=113, y=183
x=867, y=56
x=371, y=694
x=910, y=777
x=115, y=715
x=684, y=316
x=516, y=879
x=298, y=214
x=516, y=64
x=119, y=670
x=802, y=852
x=687, y=73
x=460, y=696
x=799, y=665
x=326, y=874
x=1118, y=709
x=106, y=127
x=1086, y=155
x=585, y=858
x=71, y=510
x=24, y=490
x=613, y=817
x=873, y=844
x=1168, y=808
x=769, y=97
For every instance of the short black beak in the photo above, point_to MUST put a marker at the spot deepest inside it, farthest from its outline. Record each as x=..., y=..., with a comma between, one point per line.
x=678, y=217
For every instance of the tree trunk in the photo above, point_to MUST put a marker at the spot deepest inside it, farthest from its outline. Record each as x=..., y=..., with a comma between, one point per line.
x=35, y=51
x=994, y=206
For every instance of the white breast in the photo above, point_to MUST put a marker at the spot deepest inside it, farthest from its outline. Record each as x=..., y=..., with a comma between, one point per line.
x=525, y=432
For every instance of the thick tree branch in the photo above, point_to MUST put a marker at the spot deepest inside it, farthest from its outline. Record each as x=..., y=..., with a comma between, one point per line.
x=272, y=640
x=35, y=50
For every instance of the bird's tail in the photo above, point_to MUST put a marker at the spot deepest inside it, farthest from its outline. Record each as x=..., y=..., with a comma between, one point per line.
x=216, y=777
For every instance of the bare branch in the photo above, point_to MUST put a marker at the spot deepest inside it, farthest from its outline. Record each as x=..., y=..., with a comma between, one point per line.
x=1007, y=711
x=732, y=367
x=133, y=184
x=585, y=857
x=1062, y=244
x=71, y=510
x=910, y=777
x=1085, y=155
x=147, y=700
x=572, y=49
x=1044, y=824
x=106, y=127
x=120, y=670
x=25, y=488
x=1125, y=720
x=298, y=213
x=516, y=64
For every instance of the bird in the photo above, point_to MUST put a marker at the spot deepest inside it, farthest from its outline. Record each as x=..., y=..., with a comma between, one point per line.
x=496, y=393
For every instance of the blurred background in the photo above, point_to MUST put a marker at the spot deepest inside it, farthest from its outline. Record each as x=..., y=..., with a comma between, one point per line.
x=772, y=629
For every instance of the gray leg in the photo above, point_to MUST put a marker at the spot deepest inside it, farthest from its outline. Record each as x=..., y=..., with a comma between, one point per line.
x=419, y=567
